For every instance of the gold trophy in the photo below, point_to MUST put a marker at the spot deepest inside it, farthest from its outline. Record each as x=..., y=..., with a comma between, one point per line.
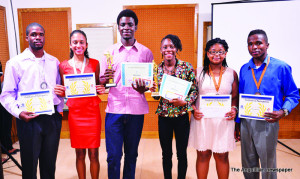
x=109, y=59
x=155, y=68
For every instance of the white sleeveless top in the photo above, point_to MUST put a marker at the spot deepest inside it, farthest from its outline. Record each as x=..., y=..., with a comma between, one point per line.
x=215, y=134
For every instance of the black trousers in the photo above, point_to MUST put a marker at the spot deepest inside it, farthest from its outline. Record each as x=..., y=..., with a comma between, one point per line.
x=181, y=127
x=1, y=168
x=5, y=128
x=39, y=139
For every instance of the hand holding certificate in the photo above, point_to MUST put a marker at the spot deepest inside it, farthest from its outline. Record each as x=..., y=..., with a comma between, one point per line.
x=38, y=102
x=136, y=71
x=254, y=106
x=213, y=106
x=172, y=87
x=81, y=85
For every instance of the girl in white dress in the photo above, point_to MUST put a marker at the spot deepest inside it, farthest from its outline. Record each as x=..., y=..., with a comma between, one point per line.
x=214, y=135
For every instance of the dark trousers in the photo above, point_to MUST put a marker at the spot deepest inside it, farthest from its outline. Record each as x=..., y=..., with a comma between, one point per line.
x=1, y=168
x=181, y=127
x=5, y=128
x=119, y=129
x=39, y=139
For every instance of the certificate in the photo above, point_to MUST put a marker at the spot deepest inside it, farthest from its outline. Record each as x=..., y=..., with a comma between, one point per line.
x=172, y=87
x=39, y=102
x=254, y=106
x=215, y=105
x=132, y=71
x=81, y=85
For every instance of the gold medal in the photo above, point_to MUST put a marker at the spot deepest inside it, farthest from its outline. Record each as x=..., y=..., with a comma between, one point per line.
x=257, y=93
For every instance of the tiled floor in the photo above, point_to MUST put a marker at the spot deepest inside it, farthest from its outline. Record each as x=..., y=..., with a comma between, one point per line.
x=149, y=161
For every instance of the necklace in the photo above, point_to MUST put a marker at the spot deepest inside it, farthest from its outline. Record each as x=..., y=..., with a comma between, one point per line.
x=169, y=71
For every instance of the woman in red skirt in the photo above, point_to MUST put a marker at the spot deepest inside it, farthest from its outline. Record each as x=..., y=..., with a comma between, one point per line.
x=84, y=112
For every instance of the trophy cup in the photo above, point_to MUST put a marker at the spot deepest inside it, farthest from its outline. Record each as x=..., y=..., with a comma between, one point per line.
x=155, y=68
x=109, y=59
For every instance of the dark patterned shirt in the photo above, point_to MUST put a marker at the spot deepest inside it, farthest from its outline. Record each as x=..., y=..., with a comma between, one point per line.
x=185, y=71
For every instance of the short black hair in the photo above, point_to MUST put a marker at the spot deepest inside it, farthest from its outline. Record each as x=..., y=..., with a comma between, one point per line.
x=259, y=31
x=128, y=13
x=32, y=25
x=208, y=45
x=86, y=53
x=175, y=40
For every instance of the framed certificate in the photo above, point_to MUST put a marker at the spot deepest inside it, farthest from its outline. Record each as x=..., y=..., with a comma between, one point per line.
x=39, y=102
x=215, y=105
x=132, y=71
x=80, y=85
x=254, y=106
x=172, y=87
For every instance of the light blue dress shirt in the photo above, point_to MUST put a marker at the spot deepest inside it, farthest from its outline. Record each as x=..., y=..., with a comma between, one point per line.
x=277, y=81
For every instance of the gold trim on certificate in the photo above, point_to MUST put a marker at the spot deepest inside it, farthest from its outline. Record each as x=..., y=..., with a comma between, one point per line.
x=39, y=102
x=215, y=106
x=80, y=85
x=254, y=106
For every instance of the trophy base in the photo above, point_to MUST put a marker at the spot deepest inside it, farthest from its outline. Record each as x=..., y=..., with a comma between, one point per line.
x=111, y=85
x=155, y=94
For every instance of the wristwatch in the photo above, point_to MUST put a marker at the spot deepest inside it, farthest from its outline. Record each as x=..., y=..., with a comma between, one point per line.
x=286, y=112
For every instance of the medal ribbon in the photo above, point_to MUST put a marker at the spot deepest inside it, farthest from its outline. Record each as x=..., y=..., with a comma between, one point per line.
x=217, y=86
x=41, y=70
x=82, y=68
x=261, y=76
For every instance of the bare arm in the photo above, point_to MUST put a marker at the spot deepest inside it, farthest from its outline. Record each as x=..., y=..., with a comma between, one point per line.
x=60, y=89
x=234, y=98
x=97, y=72
x=99, y=88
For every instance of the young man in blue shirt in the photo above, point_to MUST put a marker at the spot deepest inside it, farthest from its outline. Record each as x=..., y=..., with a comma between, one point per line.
x=259, y=137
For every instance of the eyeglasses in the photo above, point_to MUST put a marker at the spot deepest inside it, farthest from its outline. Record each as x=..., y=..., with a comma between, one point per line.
x=215, y=53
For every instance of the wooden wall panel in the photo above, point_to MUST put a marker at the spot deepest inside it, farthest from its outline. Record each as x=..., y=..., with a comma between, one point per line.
x=57, y=24
x=289, y=126
x=4, y=52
